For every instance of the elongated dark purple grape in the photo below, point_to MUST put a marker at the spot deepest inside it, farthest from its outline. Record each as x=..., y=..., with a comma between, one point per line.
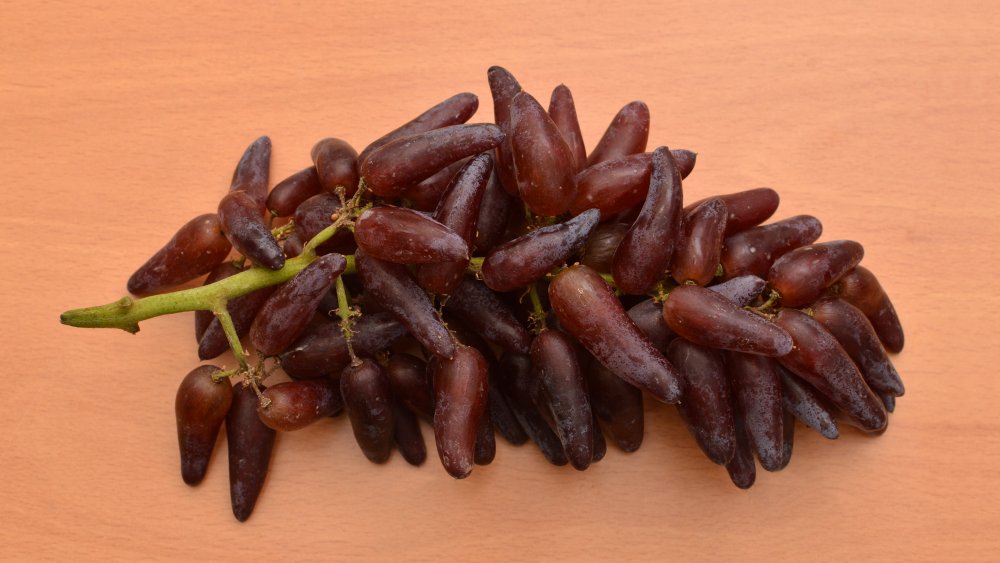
x=368, y=402
x=756, y=386
x=425, y=195
x=405, y=161
x=391, y=285
x=617, y=404
x=697, y=258
x=242, y=310
x=515, y=379
x=517, y=263
x=322, y=351
x=486, y=441
x=292, y=245
x=405, y=236
x=460, y=386
x=503, y=416
x=599, y=250
x=200, y=407
x=752, y=252
x=709, y=319
x=562, y=110
x=287, y=312
x=336, y=165
x=241, y=221
x=406, y=434
x=600, y=444
x=588, y=309
x=741, y=468
x=806, y=404
x=544, y=164
x=458, y=210
x=315, y=214
x=705, y=405
x=452, y=111
x=617, y=185
x=479, y=308
x=292, y=191
x=648, y=316
x=627, y=134
x=202, y=319
x=297, y=404
x=494, y=211
x=746, y=209
x=742, y=290
x=855, y=334
x=193, y=251
x=410, y=381
x=250, y=445
x=801, y=275
x=253, y=172
x=861, y=288
x=889, y=400
x=503, y=87
x=648, y=247
x=819, y=360
x=555, y=361
x=789, y=427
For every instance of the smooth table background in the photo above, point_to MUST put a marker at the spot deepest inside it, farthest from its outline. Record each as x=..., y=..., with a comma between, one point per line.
x=119, y=122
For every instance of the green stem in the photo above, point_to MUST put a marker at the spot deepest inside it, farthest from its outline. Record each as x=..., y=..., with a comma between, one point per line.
x=231, y=335
x=475, y=264
x=346, y=314
x=538, y=315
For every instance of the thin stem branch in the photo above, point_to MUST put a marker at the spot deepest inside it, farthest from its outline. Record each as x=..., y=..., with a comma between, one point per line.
x=346, y=314
x=231, y=335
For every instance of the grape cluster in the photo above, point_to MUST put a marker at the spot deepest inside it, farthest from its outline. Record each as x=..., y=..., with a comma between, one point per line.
x=496, y=278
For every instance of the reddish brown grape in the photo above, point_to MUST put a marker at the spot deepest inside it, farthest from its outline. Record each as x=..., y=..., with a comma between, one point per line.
x=820, y=361
x=193, y=251
x=253, y=172
x=458, y=210
x=297, y=404
x=410, y=382
x=200, y=407
x=479, y=308
x=250, y=444
x=494, y=211
x=648, y=316
x=599, y=250
x=321, y=350
x=542, y=160
x=855, y=334
x=405, y=161
x=562, y=110
x=368, y=402
x=555, y=361
x=391, y=285
x=515, y=379
x=315, y=214
x=453, y=111
x=292, y=191
x=504, y=87
x=741, y=291
x=405, y=236
x=406, y=434
x=709, y=319
x=705, y=406
x=617, y=404
x=697, y=258
x=756, y=385
x=517, y=263
x=241, y=221
x=801, y=275
x=861, y=288
x=753, y=251
x=617, y=185
x=648, y=248
x=806, y=404
x=588, y=309
x=425, y=195
x=287, y=312
x=741, y=468
x=746, y=209
x=336, y=165
x=486, y=441
x=460, y=386
x=627, y=134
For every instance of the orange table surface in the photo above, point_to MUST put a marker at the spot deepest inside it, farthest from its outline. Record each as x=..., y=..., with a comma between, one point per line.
x=119, y=121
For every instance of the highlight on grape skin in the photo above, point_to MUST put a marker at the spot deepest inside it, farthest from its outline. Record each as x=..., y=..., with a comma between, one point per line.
x=493, y=277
